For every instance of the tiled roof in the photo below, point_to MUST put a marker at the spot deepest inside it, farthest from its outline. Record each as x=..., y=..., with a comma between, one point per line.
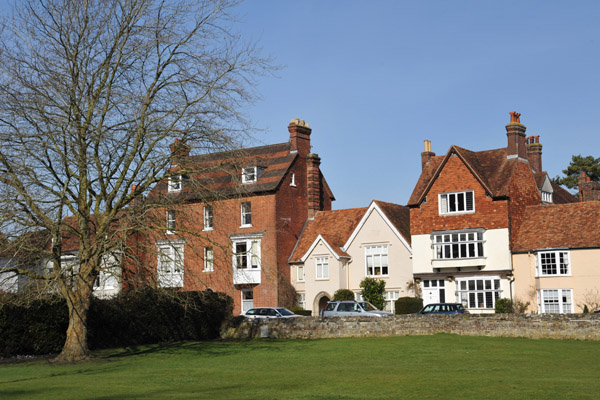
x=490, y=167
x=561, y=195
x=219, y=173
x=574, y=225
x=399, y=216
x=334, y=226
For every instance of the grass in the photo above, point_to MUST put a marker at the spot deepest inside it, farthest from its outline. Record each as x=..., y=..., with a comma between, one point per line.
x=410, y=367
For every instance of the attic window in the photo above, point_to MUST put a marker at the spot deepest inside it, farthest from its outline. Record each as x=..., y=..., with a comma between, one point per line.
x=249, y=174
x=546, y=197
x=175, y=183
x=455, y=203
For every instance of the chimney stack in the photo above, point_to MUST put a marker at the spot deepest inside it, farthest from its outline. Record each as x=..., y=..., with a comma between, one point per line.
x=588, y=190
x=534, y=153
x=427, y=154
x=313, y=182
x=515, y=131
x=299, y=136
x=179, y=150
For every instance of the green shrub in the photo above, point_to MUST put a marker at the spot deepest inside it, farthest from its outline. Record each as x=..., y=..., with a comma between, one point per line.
x=131, y=318
x=504, y=306
x=373, y=291
x=301, y=311
x=408, y=305
x=343, y=294
x=586, y=310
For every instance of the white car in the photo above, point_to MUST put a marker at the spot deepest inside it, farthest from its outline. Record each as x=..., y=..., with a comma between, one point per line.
x=270, y=312
x=349, y=308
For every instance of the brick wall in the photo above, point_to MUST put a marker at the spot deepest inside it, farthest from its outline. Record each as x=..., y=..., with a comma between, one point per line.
x=576, y=326
x=455, y=176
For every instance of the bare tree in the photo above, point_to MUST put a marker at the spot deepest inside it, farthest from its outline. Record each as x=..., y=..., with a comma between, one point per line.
x=92, y=93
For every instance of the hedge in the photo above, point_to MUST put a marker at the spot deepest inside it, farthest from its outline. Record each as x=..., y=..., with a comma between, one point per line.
x=408, y=305
x=131, y=318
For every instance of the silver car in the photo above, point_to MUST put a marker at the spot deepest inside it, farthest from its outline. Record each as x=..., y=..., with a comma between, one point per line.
x=270, y=312
x=349, y=308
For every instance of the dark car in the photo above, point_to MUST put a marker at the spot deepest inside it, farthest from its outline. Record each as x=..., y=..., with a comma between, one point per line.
x=444, y=308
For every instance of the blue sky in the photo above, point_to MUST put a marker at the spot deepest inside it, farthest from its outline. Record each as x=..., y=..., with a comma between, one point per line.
x=376, y=78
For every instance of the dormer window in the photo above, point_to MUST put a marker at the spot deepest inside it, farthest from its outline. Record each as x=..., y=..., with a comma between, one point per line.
x=546, y=197
x=457, y=203
x=249, y=174
x=175, y=183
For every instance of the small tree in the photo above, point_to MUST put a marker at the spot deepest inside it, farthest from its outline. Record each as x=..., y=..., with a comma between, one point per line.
x=579, y=163
x=343, y=294
x=373, y=291
x=504, y=306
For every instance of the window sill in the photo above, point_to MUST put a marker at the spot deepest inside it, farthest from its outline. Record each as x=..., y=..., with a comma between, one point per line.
x=321, y=279
x=208, y=270
x=377, y=276
x=246, y=226
x=207, y=229
x=456, y=213
x=554, y=276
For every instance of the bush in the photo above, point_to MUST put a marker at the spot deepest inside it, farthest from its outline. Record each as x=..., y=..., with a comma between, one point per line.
x=373, y=291
x=301, y=311
x=132, y=318
x=408, y=305
x=343, y=294
x=504, y=306
x=586, y=310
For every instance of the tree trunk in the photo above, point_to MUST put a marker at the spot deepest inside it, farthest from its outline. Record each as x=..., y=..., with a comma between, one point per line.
x=76, y=344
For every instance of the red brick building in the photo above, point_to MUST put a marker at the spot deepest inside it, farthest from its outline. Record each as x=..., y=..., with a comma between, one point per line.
x=230, y=220
x=465, y=212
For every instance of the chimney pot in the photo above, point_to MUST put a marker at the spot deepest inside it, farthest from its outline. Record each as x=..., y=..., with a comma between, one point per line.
x=515, y=132
x=427, y=154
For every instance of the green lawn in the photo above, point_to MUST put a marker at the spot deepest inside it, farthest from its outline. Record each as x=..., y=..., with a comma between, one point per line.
x=440, y=366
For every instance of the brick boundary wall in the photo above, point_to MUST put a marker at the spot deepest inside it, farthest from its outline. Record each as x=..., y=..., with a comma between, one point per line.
x=573, y=326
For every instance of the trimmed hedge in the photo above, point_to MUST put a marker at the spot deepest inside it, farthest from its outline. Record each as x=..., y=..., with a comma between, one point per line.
x=132, y=318
x=408, y=305
x=301, y=311
x=343, y=294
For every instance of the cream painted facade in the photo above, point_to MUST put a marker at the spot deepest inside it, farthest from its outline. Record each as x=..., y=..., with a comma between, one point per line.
x=579, y=286
x=374, y=235
x=475, y=282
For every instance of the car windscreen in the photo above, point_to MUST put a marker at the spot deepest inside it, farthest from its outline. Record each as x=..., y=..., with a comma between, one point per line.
x=368, y=306
x=284, y=311
x=252, y=311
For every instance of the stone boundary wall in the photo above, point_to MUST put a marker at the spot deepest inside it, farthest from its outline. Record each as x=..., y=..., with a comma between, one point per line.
x=545, y=326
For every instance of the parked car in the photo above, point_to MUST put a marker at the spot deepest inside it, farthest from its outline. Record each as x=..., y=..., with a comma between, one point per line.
x=270, y=312
x=444, y=308
x=352, y=308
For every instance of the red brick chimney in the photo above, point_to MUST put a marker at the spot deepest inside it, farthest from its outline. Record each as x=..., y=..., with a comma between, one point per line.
x=179, y=150
x=588, y=190
x=299, y=136
x=313, y=182
x=427, y=154
x=534, y=153
x=515, y=131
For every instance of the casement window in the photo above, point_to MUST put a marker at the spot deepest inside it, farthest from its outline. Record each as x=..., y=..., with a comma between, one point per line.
x=175, y=183
x=171, y=222
x=546, y=197
x=376, y=260
x=390, y=300
x=249, y=174
x=302, y=300
x=300, y=272
x=478, y=293
x=293, y=179
x=555, y=301
x=247, y=300
x=457, y=244
x=246, y=254
x=553, y=263
x=246, y=213
x=455, y=203
x=322, y=268
x=170, y=265
x=208, y=218
x=209, y=259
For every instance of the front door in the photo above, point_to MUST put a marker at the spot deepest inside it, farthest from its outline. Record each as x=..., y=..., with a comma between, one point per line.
x=433, y=291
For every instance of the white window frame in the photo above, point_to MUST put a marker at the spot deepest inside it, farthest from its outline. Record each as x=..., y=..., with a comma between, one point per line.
x=171, y=264
x=175, y=183
x=208, y=218
x=475, y=295
x=302, y=300
x=246, y=214
x=249, y=174
x=562, y=269
x=300, y=273
x=376, y=258
x=446, y=199
x=293, y=179
x=321, y=268
x=247, y=299
x=209, y=259
x=250, y=257
x=171, y=222
x=390, y=300
x=546, y=197
x=452, y=245
x=546, y=295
